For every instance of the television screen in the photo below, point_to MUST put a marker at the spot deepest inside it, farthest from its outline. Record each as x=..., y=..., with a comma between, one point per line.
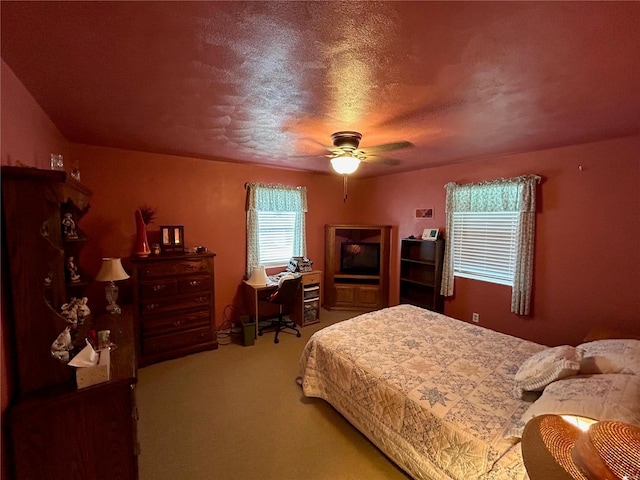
x=360, y=258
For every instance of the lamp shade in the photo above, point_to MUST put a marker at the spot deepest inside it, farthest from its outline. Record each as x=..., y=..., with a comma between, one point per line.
x=111, y=271
x=345, y=164
x=555, y=448
x=258, y=277
x=608, y=450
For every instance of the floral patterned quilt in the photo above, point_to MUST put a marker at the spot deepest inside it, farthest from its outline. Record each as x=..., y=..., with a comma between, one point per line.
x=432, y=392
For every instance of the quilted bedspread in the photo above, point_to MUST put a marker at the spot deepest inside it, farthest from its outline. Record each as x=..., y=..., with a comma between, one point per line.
x=432, y=392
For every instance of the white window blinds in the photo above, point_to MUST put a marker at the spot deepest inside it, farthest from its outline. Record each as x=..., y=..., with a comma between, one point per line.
x=485, y=245
x=276, y=232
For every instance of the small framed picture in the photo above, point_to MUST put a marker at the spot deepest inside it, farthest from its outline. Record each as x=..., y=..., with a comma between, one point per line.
x=172, y=238
x=430, y=234
x=424, y=213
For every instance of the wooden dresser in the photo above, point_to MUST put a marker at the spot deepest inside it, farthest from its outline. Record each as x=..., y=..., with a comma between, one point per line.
x=174, y=306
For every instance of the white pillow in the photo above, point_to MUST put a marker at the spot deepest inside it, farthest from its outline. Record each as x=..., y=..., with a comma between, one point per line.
x=611, y=356
x=546, y=366
x=600, y=397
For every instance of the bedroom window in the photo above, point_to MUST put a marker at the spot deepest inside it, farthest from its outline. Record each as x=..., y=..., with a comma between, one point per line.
x=484, y=245
x=276, y=232
x=275, y=224
x=491, y=228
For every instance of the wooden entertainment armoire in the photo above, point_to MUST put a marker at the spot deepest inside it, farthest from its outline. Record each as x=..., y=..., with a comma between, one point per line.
x=354, y=291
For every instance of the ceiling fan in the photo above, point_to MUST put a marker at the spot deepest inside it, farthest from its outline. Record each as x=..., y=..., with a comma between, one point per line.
x=346, y=156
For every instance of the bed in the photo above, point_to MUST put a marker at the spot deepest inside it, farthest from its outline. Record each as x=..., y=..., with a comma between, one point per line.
x=433, y=393
x=445, y=399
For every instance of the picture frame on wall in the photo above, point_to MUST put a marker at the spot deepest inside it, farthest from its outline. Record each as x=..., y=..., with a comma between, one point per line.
x=425, y=213
x=430, y=234
x=172, y=238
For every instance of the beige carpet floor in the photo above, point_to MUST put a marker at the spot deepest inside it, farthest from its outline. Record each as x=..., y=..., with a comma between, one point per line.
x=237, y=413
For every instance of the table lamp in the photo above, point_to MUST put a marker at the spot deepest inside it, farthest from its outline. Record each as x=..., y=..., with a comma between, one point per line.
x=554, y=446
x=258, y=277
x=111, y=271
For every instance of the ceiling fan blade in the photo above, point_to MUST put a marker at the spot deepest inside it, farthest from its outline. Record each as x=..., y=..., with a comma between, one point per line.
x=319, y=155
x=386, y=147
x=331, y=148
x=383, y=160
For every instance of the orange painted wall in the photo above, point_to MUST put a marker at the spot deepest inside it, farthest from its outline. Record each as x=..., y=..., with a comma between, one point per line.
x=207, y=197
x=588, y=223
x=587, y=257
x=28, y=135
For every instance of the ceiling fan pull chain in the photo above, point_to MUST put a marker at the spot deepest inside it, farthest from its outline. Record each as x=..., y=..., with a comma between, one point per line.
x=344, y=199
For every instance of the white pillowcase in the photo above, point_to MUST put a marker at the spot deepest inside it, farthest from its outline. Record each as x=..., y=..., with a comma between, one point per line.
x=611, y=356
x=600, y=397
x=545, y=367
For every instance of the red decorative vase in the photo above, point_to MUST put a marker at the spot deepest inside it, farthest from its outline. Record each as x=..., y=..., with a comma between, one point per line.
x=142, y=244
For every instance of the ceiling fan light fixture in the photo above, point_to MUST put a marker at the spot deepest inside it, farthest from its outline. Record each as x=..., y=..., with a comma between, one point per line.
x=345, y=164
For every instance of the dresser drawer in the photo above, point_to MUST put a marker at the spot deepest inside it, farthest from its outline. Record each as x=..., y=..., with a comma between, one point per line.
x=158, y=288
x=201, y=283
x=311, y=292
x=167, y=343
x=175, y=323
x=174, y=304
x=180, y=267
x=311, y=278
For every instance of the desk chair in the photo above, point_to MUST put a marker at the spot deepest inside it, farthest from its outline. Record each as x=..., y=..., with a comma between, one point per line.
x=284, y=296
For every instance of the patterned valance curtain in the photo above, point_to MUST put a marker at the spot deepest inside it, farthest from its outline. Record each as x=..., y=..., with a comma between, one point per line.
x=274, y=198
x=505, y=195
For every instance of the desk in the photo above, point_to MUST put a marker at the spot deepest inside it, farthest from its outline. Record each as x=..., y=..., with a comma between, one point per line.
x=303, y=307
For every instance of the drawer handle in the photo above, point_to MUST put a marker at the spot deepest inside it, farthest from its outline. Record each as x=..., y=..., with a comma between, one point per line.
x=177, y=323
x=152, y=306
x=201, y=299
x=195, y=267
x=194, y=283
x=159, y=287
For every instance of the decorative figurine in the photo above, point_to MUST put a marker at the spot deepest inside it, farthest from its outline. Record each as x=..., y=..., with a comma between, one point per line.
x=83, y=309
x=72, y=270
x=76, y=310
x=69, y=226
x=62, y=345
x=70, y=311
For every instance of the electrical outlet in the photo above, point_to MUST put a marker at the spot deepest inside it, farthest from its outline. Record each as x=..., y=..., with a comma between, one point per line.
x=475, y=317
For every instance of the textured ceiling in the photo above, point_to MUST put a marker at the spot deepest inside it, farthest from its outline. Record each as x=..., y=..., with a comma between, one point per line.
x=269, y=82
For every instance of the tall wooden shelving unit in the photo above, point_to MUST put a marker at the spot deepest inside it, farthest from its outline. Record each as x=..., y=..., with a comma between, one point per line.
x=421, y=273
x=33, y=203
x=53, y=428
x=349, y=291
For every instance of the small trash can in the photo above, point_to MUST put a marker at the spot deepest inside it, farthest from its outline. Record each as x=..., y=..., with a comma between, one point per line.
x=248, y=330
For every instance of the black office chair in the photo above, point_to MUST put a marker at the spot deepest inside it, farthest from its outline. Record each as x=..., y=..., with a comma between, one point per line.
x=284, y=296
